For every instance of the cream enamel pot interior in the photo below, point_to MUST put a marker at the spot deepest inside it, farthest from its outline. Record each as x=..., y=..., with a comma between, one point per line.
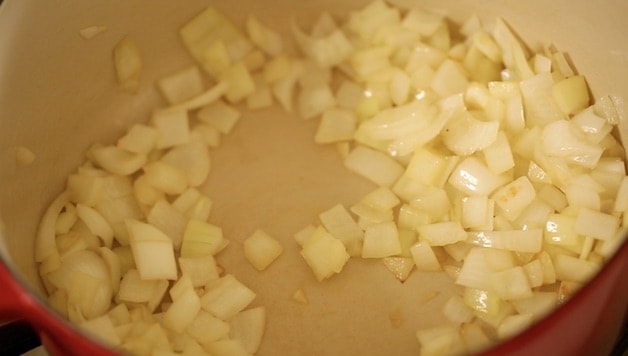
x=58, y=95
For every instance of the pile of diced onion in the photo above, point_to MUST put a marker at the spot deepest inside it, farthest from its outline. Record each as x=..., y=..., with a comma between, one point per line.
x=490, y=160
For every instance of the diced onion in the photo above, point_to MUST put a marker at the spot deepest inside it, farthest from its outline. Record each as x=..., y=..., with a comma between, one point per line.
x=489, y=161
x=90, y=32
x=24, y=156
x=93, y=298
x=128, y=63
x=45, y=244
x=117, y=160
x=96, y=223
x=515, y=240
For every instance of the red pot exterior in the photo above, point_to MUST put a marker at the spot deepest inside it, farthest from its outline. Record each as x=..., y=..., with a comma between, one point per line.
x=56, y=334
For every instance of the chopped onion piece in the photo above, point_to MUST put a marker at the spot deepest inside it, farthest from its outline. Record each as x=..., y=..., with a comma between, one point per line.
x=400, y=267
x=220, y=115
x=24, y=156
x=102, y=328
x=85, y=189
x=456, y=311
x=90, y=32
x=139, y=139
x=172, y=126
x=398, y=121
x=312, y=101
x=443, y=233
x=261, y=249
x=117, y=160
x=373, y=165
x=571, y=94
x=86, y=279
x=45, y=244
x=514, y=197
x=181, y=85
x=381, y=240
x=594, y=127
x=283, y=89
x=336, y=125
x=474, y=338
x=304, y=234
x=621, y=202
x=192, y=159
x=340, y=224
x=116, y=211
x=558, y=139
x=113, y=264
x=439, y=340
x=128, y=63
x=66, y=220
x=300, y=296
x=513, y=324
x=450, y=78
x=596, y=224
x=328, y=50
x=200, y=270
x=248, y=327
x=193, y=204
x=511, y=283
x=432, y=200
x=430, y=167
x=166, y=177
x=183, y=310
x=201, y=239
x=240, y=82
x=207, y=97
x=465, y=134
x=472, y=177
x=477, y=213
x=498, y=155
x=515, y=240
x=137, y=290
x=169, y=220
x=422, y=21
x=424, y=257
x=226, y=297
x=96, y=223
x=210, y=26
x=608, y=107
x=539, y=105
x=261, y=98
x=573, y=269
x=263, y=37
x=367, y=21
x=152, y=250
x=206, y=328
x=325, y=254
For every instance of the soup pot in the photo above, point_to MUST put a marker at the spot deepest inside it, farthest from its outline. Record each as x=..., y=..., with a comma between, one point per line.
x=58, y=95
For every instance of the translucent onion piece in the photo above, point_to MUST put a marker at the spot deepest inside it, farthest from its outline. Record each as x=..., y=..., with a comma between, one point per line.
x=515, y=240
x=90, y=264
x=117, y=160
x=96, y=223
x=45, y=243
x=326, y=51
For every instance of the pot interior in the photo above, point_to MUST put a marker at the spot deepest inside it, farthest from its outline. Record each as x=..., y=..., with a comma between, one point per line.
x=58, y=96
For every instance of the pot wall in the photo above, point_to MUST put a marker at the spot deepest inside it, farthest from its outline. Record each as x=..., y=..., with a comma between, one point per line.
x=58, y=93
